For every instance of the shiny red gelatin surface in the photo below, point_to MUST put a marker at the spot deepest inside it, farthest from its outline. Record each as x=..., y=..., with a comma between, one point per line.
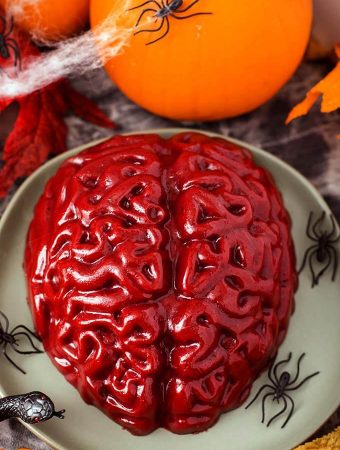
x=161, y=276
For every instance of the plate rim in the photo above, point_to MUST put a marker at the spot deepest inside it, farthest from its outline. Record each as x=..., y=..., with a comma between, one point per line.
x=160, y=131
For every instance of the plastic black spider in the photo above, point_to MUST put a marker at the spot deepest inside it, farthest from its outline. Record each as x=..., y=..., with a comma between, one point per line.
x=10, y=338
x=165, y=9
x=8, y=44
x=324, y=251
x=279, y=388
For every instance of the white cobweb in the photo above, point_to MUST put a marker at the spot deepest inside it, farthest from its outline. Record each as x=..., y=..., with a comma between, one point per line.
x=77, y=55
x=16, y=7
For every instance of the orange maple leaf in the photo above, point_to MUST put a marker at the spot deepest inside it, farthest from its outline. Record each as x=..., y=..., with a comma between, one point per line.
x=328, y=88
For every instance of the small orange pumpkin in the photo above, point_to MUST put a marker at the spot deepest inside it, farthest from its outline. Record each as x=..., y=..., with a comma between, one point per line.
x=210, y=67
x=50, y=20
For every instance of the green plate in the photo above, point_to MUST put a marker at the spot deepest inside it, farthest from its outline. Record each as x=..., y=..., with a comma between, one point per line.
x=314, y=329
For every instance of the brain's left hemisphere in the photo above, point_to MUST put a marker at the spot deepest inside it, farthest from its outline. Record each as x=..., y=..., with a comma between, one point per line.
x=101, y=263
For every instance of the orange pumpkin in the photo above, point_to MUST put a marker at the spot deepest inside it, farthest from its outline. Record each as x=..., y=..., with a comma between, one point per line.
x=50, y=20
x=210, y=67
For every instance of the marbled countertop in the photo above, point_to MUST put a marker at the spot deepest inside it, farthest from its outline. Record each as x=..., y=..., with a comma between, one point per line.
x=309, y=144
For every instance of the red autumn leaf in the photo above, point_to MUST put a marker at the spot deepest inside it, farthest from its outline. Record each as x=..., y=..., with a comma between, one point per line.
x=83, y=107
x=40, y=129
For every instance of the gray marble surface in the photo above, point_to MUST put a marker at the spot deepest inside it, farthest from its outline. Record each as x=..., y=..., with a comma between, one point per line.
x=309, y=144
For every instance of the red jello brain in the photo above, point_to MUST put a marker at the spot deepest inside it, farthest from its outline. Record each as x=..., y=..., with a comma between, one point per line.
x=161, y=277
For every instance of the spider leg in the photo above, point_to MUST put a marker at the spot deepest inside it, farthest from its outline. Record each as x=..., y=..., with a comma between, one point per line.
x=188, y=7
x=317, y=222
x=4, y=25
x=16, y=51
x=258, y=393
x=279, y=413
x=30, y=352
x=333, y=227
x=152, y=31
x=335, y=240
x=164, y=34
x=335, y=268
x=146, y=3
x=13, y=42
x=322, y=271
x=263, y=405
x=6, y=321
x=37, y=350
x=313, y=247
x=190, y=15
x=298, y=370
x=308, y=229
x=26, y=329
x=302, y=382
x=17, y=57
x=285, y=361
x=11, y=28
x=142, y=15
x=271, y=375
x=22, y=333
x=291, y=409
x=12, y=362
x=314, y=278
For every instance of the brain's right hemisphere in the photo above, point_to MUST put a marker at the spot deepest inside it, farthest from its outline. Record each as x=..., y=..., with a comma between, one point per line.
x=161, y=277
